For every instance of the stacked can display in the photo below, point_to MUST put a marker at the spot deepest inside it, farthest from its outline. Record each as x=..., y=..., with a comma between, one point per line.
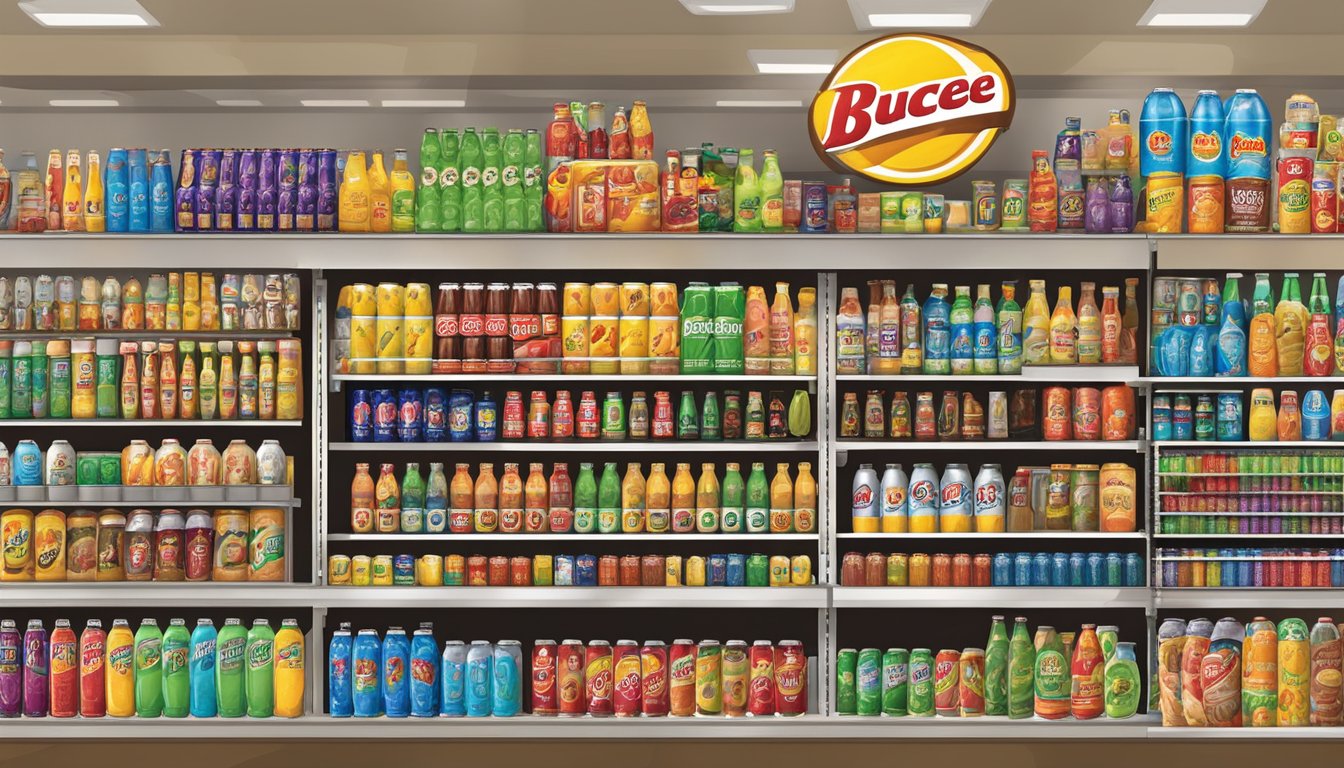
x=367, y=677
x=1250, y=567
x=1218, y=416
x=1250, y=492
x=1005, y=569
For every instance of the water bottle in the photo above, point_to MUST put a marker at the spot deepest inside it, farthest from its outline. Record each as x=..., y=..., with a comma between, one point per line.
x=339, y=669
x=479, y=678
x=139, y=192
x=424, y=672
x=453, y=679
x=202, y=669
x=367, y=658
x=396, y=660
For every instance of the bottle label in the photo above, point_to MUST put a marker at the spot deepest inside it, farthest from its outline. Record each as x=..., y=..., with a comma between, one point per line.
x=732, y=520
x=658, y=520
x=758, y=520
x=585, y=519
x=683, y=519
x=708, y=521
x=632, y=520
x=804, y=519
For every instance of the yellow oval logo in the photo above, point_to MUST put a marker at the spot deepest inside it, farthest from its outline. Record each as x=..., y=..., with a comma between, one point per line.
x=911, y=109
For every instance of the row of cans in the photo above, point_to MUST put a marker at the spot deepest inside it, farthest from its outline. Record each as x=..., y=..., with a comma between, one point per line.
x=1255, y=524
x=257, y=190
x=1250, y=567
x=1005, y=569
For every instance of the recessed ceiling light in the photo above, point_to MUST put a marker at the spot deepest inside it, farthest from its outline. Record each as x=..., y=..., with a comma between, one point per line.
x=334, y=102
x=238, y=102
x=792, y=62
x=736, y=7
x=84, y=103
x=424, y=103
x=758, y=103
x=916, y=14
x=1201, y=13
x=88, y=13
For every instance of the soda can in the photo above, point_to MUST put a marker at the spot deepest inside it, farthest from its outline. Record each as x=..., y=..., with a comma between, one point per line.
x=653, y=672
x=734, y=677
x=597, y=678
x=385, y=416
x=545, y=692
x=403, y=570
x=569, y=680
x=790, y=678
x=1295, y=195
x=564, y=570
x=946, y=682
x=338, y=570
x=361, y=571
x=626, y=687
x=895, y=681
x=814, y=213
x=305, y=192
x=681, y=678
x=435, y=415
x=287, y=190
x=459, y=414
x=761, y=680
x=507, y=687
x=934, y=210
x=971, y=691
x=867, y=682
x=709, y=679
x=736, y=570
x=1086, y=413
x=1015, y=204
x=453, y=679
x=585, y=571
x=380, y=571
x=1324, y=197
x=410, y=416
x=921, y=699
x=479, y=678
x=361, y=416
x=326, y=190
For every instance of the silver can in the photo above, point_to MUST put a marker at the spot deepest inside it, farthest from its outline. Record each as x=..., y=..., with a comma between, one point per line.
x=507, y=694
x=61, y=463
x=44, y=303
x=23, y=303
x=996, y=426
x=271, y=465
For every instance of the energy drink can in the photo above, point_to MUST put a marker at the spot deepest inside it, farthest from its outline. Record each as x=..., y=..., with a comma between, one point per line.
x=985, y=204
x=410, y=416
x=226, y=193
x=384, y=416
x=287, y=190
x=1015, y=204
x=436, y=415
x=305, y=206
x=207, y=181
x=814, y=214
x=361, y=416
x=890, y=212
x=934, y=208
x=245, y=216
x=268, y=188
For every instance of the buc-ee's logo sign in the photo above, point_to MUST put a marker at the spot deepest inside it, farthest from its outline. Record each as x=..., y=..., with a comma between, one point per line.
x=911, y=109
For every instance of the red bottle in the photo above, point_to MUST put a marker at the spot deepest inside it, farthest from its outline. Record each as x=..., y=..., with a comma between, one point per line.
x=653, y=678
x=513, y=422
x=663, y=425
x=626, y=691
x=597, y=677
x=587, y=421
x=562, y=136
x=92, y=674
x=545, y=696
x=64, y=670
x=561, y=500
x=597, y=130
x=562, y=416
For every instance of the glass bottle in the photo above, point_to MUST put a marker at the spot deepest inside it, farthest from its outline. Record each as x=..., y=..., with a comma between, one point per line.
x=1089, y=326
x=485, y=497
x=985, y=338
x=1129, y=323
x=1063, y=325
x=1111, y=329
x=1036, y=326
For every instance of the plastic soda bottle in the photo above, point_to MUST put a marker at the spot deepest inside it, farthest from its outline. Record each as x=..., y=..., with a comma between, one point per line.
x=996, y=668
x=424, y=672
x=120, y=667
x=511, y=179
x=93, y=670
x=479, y=678
x=117, y=194
x=473, y=194
x=355, y=195
x=985, y=334
x=657, y=500
x=176, y=669
x=772, y=193
x=491, y=186
x=402, y=187
x=1021, y=668
x=962, y=318
x=428, y=216
x=64, y=670
x=36, y=670
x=11, y=669
x=747, y=195
x=683, y=500
x=453, y=674
x=1008, y=319
x=449, y=198
x=732, y=506
x=757, y=500
x=340, y=670
x=366, y=658
x=1087, y=694
x=585, y=500
x=202, y=670
x=1318, y=354
x=148, y=669
x=609, y=500
x=805, y=499
x=1051, y=675
x=230, y=688
x=289, y=669
x=72, y=203
x=781, y=500
x=1123, y=683
x=396, y=660
x=937, y=332
x=260, y=653
x=380, y=196
x=805, y=333
x=95, y=211
x=707, y=500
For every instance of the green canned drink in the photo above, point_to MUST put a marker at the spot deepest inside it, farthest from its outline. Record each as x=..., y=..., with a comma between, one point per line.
x=868, y=681
x=895, y=681
x=109, y=469
x=1015, y=204
x=730, y=309
x=846, y=691
x=87, y=468
x=758, y=571
x=697, y=329
x=920, y=703
x=912, y=212
x=996, y=669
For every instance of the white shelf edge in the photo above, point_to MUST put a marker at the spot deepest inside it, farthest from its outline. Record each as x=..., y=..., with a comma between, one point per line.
x=504, y=378
x=1248, y=444
x=541, y=537
x=1200, y=598
x=578, y=446
x=808, y=597
x=1033, y=373
x=1000, y=535
x=984, y=597
x=991, y=445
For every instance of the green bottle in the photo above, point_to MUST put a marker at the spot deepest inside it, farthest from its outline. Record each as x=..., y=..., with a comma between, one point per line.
x=412, y=499
x=711, y=425
x=207, y=383
x=231, y=650
x=772, y=193
x=469, y=161
x=450, y=182
x=1053, y=680
x=62, y=384
x=511, y=178
x=491, y=186
x=21, y=386
x=996, y=668
x=688, y=425
x=746, y=195
x=260, y=669
x=176, y=669
x=609, y=500
x=148, y=669
x=1262, y=299
x=758, y=500
x=39, y=363
x=1021, y=666
x=427, y=215
x=613, y=417
x=585, y=500
x=1123, y=682
x=1008, y=319
x=733, y=492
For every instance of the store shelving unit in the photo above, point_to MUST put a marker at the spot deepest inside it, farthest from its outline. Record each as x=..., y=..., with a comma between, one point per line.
x=991, y=597
x=586, y=446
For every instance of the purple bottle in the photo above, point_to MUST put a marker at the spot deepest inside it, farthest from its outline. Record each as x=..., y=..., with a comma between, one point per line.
x=1097, y=206
x=226, y=194
x=36, y=671
x=1122, y=205
x=268, y=189
x=327, y=191
x=287, y=180
x=11, y=669
x=305, y=210
x=246, y=217
x=184, y=197
x=207, y=180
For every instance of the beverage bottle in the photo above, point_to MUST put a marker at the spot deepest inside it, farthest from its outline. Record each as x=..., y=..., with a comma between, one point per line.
x=866, y=507
x=36, y=670
x=805, y=333
x=1036, y=326
x=120, y=670
x=1089, y=326
x=92, y=695
x=30, y=197
x=1087, y=693
x=1008, y=320
x=781, y=332
x=910, y=339
x=533, y=182
x=805, y=499
x=707, y=500
x=1063, y=326
x=781, y=500
x=148, y=669
x=54, y=190
x=1220, y=673
x=757, y=501
x=893, y=503
x=1129, y=323
x=536, y=510
x=11, y=671
x=711, y=423
x=850, y=332
x=923, y=499
x=996, y=668
x=746, y=194
x=161, y=193
x=7, y=205
x=116, y=193
x=72, y=203
x=772, y=193
x=609, y=499
x=492, y=190
x=872, y=336
x=888, y=330
x=450, y=181
x=340, y=672
x=362, y=500
x=479, y=678
x=1317, y=359
x=139, y=192
x=1021, y=669
x=260, y=679
x=658, y=500
x=94, y=210
x=355, y=195
x=289, y=669
x=1068, y=160
x=1261, y=342
x=585, y=500
x=401, y=192
x=954, y=505
x=937, y=332
x=1339, y=326
x=991, y=500
x=756, y=332
x=428, y=216
x=396, y=662
x=473, y=195
x=1232, y=350
x=1043, y=206
x=387, y=498
x=634, y=499
x=366, y=661
x=963, y=332
x=511, y=180
x=412, y=499
x=424, y=671
x=176, y=673
x=1325, y=668
x=1290, y=322
x=1051, y=673
x=1111, y=329
x=485, y=497
x=380, y=196
x=985, y=348
x=733, y=500
x=1122, y=682
x=436, y=499
x=683, y=500
x=230, y=672
x=201, y=670
x=641, y=132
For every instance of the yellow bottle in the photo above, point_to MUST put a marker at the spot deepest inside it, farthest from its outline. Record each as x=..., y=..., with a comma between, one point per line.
x=1262, y=422
x=72, y=202
x=658, y=500
x=781, y=500
x=355, y=193
x=49, y=545
x=1089, y=326
x=634, y=496
x=1290, y=326
x=683, y=500
x=289, y=661
x=403, y=194
x=83, y=379
x=191, y=301
x=1063, y=323
x=781, y=332
x=120, y=670
x=707, y=500
x=1036, y=326
x=805, y=499
x=805, y=333
x=95, y=212
x=380, y=196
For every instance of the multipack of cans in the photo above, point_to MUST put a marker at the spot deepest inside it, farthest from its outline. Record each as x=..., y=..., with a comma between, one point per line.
x=1260, y=491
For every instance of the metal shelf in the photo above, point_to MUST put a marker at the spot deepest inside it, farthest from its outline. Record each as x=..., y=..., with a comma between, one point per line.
x=811, y=597
x=175, y=503
x=1248, y=444
x=992, y=445
x=1092, y=535
x=153, y=335
x=540, y=537
x=1217, y=254
x=1259, y=598
x=1250, y=536
x=221, y=423
x=77, y=594
x=503, y=378
x=1080, y=373
x=1242, y=734
x=1261, y=381
x=594, y=446
x=991, y=597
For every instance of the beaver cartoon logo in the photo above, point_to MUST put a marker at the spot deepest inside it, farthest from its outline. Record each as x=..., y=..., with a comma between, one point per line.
x=911, y=109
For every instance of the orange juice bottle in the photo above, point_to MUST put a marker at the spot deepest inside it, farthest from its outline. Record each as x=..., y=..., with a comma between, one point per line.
x=1290, y=418
x=289, y=669
x=805, y=333
x=120, y=670
x=707, y=500
x=387, y=501
x=354, y=195
x=683, y=500
x=72, y=202
x=781, y=332
x=641, y=132
x=95, y=216
x=805, y=499
x=510, y=499
x=781, y=500
x=658, y=500
x=1063, y=323
x=380, y=196
x=536, y=499
x=634, y=496
x=461, y=497
x=756, y=332
x=486, y=497
x=361, y=500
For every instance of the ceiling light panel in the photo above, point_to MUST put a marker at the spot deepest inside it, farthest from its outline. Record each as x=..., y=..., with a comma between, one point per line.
x=737, y=7
x=1201, y=13
x=120, y=14
x=916, y=14
x=785, y=61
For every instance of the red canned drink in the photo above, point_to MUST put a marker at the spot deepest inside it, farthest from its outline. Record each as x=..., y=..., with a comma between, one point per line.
x=64, y=670
x=761, y=685
x=1056, y=409
x=790, y=678
x=498, y=571
x=92, y=674
x=947, y=682
x=520, y=571
x=476, y=571
x=597, y=677
x=569, y=663
x=653, y=679
x=545, y=692
x=626, y=692
x=1324, y=198
x=681, y=677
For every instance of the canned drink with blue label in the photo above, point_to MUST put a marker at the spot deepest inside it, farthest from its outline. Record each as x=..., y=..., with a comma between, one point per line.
x=1059, y=569
x=1163, y=134
x=585, y=571
x=1040, y=570
x=1229, y=417
x=718, y=570
x=564, y=570
x=486, y=418
x=1315, y=415
x=737, y=570
x=934, y=207
x=460, y=423
x=814, y=214
x=403, y=570
x=1182, y=419
x=435, y=416
x=1161, y=417
x=361, y=416
x=384, y=416
x=410, y=416
x=1134, y=570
